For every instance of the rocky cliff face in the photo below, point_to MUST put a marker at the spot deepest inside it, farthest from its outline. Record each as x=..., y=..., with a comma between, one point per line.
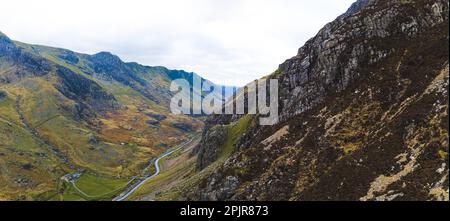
x=110, y=67
x=209, y=149
x=364, y=114
x=6, y=45
x=24, y=62
x=90, y=97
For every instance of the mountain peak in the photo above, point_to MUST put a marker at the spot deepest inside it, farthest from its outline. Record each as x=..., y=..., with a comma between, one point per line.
x=105, y=54
x=107, y=59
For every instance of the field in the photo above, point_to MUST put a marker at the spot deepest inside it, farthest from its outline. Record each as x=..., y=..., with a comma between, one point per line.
x=92, y=187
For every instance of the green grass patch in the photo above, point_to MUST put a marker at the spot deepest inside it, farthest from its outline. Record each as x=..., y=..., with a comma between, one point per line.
x=100, y=186
x=70, y=194
x=235, y=131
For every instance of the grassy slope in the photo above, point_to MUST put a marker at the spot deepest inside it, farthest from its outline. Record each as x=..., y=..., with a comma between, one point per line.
x=95, y=185
x=23, y=160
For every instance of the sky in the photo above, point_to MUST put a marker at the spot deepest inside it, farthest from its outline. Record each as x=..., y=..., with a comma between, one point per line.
x=229, y=42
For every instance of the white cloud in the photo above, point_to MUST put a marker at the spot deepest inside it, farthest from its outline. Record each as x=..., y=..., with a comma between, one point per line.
x=227, y=41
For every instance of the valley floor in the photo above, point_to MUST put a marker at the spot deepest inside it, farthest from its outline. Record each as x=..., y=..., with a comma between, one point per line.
x=173, y=166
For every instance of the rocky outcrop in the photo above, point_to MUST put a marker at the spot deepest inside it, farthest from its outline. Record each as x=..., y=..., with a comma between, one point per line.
x=7, y=47
x=111, y=65
x=356, y=7
x=69, y=56
x=210, y=147
x=183, y=127
x=330, y=61
x=24, y=63
x=358, y=117
x=3, y=95
x=90, y=97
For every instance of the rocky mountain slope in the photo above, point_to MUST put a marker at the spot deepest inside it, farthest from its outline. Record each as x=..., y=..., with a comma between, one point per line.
x=363, y=115
x=63, y=112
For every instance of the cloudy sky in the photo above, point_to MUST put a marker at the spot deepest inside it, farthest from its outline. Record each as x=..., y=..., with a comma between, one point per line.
x=229, y=42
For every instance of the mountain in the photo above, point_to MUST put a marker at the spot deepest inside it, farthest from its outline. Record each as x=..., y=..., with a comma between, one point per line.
x=66, y=114
x=363, y=116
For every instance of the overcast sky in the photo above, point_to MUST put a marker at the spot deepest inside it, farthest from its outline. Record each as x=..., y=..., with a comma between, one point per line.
x=230, y=42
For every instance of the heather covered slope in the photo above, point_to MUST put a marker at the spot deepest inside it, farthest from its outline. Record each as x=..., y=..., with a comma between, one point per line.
x=364, y=115
x=64, y=112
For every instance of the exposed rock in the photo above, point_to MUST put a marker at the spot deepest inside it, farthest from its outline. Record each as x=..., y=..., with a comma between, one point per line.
x=70, y=57
x=3, y=95
x=153, y=123
x=27, y=166
x=7, y=47
x=356, y=7
x=158, y=117
x=90, y=97
x=210, y=147
x=30, y=64
x=93, y=140
x=107, y=65
x=183, y=126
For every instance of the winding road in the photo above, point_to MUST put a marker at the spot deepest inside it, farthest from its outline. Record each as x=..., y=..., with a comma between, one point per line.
x=123, y=196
